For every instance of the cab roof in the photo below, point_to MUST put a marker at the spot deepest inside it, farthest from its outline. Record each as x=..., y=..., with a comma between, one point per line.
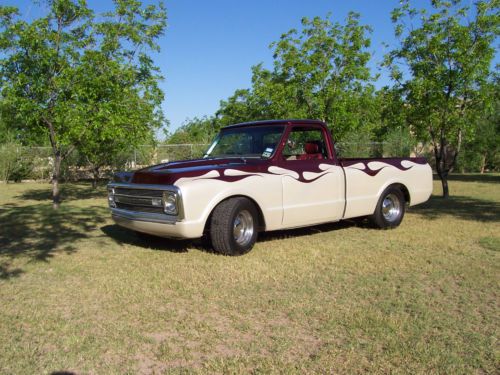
x=277, y=122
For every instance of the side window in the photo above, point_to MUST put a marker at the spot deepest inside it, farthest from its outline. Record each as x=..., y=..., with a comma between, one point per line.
x=305, y=144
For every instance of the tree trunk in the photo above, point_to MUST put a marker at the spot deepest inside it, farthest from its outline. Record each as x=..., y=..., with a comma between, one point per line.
x=56, y=175
x=441, y=168
x=443, y=176
x=483, y=163
x=95, y=172
x=444, y=184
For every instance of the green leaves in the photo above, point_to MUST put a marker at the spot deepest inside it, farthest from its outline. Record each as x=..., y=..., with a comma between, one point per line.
x=86, y=82
x=320, y=72
x=447, y=57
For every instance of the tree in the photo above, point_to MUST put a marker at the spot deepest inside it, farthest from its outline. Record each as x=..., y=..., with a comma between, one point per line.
x=121, y=111
x=321, y=73
x=196, y=130
x=243, y=105
x=82, y=80
x=442, y=67
x=483, y=151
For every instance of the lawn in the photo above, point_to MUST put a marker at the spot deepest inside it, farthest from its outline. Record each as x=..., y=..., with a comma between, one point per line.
x=79, y=294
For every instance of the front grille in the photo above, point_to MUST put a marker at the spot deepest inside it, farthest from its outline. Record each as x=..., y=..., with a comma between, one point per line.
x=140, y=200
x=150, y=209
x=136, y=201
x=139, y=192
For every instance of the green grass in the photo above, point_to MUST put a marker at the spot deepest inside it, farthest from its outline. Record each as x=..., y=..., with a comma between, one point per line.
x=79, y=294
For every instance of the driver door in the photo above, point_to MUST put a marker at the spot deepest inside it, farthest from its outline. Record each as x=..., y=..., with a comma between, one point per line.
x=313, y=185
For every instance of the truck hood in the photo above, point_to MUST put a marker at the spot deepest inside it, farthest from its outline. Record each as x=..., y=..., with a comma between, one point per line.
x=169, y=173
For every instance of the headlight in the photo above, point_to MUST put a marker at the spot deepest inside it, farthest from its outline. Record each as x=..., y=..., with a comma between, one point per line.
x=111, y=197
x=170, y=202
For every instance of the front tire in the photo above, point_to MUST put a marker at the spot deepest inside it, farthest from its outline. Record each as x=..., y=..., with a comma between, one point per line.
x=390, y=209
x=233, y=226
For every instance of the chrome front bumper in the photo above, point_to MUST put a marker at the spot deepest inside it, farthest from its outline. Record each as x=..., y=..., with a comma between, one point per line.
x=134, y=213
x=143, y=216
x=135, y=201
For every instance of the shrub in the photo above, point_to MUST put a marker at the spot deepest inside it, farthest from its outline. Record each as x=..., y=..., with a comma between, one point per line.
x=16, y=163
x=400, y=143
x=8, y=157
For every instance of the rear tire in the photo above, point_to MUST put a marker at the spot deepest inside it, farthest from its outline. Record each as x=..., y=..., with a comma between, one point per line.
x=233, y=227
x=390, y=209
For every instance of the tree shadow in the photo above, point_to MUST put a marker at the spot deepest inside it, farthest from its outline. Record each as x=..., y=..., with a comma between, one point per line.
x=6, y=272
x=461, y=207
x=38, y=231
x=126, y=236
x=69, y=192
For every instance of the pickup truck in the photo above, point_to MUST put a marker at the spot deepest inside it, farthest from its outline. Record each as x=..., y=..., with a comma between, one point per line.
x=265, y=176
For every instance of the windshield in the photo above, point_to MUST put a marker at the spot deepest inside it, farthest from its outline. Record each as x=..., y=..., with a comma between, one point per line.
x=250, y=141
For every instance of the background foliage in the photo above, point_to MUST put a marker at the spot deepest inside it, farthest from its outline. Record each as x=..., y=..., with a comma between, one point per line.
x=95, y=85
x=443, y=102
x=81, y=81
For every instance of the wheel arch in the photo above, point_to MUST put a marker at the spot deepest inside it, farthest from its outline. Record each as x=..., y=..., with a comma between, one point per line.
x=391, y=206
x=398, y=185
x=404, y=190
x=262, y=222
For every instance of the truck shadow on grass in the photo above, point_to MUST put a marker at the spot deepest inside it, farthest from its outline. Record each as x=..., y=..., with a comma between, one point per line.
x=123, y=236
x=460, y=207
x=482, y=178
x=36, y=232
x=308, y=231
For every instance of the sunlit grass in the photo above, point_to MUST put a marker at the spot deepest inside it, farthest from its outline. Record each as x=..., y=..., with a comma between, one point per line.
x=80, y=294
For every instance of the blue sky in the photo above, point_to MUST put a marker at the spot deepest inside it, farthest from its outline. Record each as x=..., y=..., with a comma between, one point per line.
x=209, y=46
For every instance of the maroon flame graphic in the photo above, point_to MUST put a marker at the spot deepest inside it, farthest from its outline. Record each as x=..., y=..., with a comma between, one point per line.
x=397, y=163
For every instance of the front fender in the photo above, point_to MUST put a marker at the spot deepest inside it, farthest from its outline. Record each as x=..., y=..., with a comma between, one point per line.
x=201, y=196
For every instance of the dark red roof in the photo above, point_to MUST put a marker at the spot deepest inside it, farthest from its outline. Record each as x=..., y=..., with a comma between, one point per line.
x=276, y=122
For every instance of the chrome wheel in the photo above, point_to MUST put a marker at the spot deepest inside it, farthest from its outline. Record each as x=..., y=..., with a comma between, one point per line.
x=243, y=228
x=391, y=207
x=234, y=226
